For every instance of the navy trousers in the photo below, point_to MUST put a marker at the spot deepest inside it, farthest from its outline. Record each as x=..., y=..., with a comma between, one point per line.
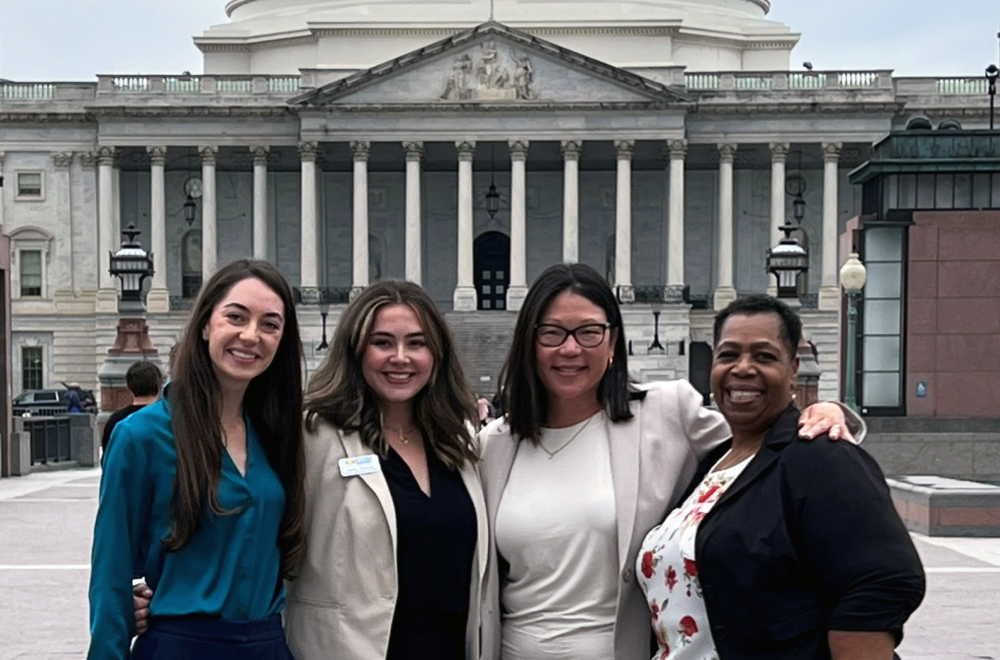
x=204, y=638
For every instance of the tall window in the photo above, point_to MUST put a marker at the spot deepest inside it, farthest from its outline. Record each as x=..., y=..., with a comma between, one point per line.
x=31, y=273
x=31, y=368
x=882, y=320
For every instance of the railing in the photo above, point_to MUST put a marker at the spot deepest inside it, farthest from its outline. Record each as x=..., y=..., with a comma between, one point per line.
x=50, y=439
x=962, y=86
x=751, y=81
x=203, y=84
x=28, y=91
x=331, y=295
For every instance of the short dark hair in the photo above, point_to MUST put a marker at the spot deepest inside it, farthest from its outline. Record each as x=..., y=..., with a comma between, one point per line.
x=143, y=378
x=791, y=325
x=522, y=393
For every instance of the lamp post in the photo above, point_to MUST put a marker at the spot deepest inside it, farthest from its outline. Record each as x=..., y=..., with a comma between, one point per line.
x=992, y=73
x=324, y=310
x=787, y=261
x=656, y=346
x=852, y=278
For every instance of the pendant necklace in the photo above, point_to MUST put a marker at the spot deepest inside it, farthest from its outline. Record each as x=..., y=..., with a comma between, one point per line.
x=552, y=454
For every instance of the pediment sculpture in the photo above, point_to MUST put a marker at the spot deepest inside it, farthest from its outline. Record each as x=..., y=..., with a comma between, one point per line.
x=493, y=76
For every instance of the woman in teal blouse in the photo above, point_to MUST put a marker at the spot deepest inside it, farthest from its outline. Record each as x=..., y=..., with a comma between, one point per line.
x=202, y=492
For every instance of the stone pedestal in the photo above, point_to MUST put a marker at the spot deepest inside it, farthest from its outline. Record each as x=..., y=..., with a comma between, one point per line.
x=829, y=298
x=158, y=301
x=132, y=344
x=465, y=299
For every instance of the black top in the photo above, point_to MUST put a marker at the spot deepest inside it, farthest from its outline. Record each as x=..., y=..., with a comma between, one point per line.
x=806, y=540
x=436, y=539
x=116, y=417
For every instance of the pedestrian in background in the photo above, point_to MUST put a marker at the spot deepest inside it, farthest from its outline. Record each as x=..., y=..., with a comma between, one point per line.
x=143, y=381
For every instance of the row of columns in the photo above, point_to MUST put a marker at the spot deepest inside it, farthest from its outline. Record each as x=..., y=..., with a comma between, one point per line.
x=465, y=298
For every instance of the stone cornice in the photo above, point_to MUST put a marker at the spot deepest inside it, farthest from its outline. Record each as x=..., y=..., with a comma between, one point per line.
x=192, y=111
x=797, y=108
x=495, y=107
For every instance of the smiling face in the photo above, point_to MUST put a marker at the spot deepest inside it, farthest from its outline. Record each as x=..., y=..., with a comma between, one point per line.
x=570, y=372
x=397, y=361
x=244, y=331
x=753, y=372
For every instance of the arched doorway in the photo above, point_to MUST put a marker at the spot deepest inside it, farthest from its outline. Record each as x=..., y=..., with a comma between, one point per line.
x=492, y=269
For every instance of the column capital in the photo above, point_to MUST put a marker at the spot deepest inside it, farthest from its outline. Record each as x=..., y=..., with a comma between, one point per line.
x=105, y=156
x=518, y=149
x=677, y=149
x=87, y=160
x=779, y=151
x=624, y=149
x=831, y=151
x=414, y=151
x=62, y=159
x=260, y=154
x=157, y=155
x=727, y=152
x=209, y=155
x=361, y=149
x=3, y=154
x=308, y=151
x=572, y=149
x=466, y=149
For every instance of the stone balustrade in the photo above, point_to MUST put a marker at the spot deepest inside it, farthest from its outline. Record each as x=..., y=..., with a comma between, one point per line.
x=204, y=84
x=755, y=81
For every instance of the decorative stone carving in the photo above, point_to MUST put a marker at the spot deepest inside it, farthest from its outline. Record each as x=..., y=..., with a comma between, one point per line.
x=62, y=159
x=466, y=149
x=572, y=149
x=308, y=151
x=361, y=150
x=677, y=149
x=209, y=155
x=494, y=76
x=260, y=155
x=727, y=152
x=624, y=149
x=831, y=151
x=88, y=159
x=105, y=155
x=779, y=151
x=157, y=155
x=414, y=151
x=518, y=149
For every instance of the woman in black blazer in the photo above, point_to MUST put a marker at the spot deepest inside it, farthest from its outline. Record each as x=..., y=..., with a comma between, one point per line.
x=783, y=549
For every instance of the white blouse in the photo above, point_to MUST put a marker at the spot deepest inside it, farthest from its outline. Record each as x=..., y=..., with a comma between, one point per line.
x=668, y=573
x=556, y=526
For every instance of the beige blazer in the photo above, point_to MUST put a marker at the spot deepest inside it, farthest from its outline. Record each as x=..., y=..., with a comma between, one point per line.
x=341, y=606
x=653, y=458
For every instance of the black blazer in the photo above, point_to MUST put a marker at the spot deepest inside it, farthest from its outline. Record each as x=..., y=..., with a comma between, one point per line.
x=806, y=540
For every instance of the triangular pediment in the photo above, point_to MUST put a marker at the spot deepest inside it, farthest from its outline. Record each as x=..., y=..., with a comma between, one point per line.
x=493, y=65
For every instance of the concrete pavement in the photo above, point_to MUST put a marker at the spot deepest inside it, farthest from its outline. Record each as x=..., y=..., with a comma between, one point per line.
x=46, y=525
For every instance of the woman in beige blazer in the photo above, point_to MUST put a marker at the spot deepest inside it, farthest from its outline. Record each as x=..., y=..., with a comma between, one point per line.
x=395, y=518
x=601, y=463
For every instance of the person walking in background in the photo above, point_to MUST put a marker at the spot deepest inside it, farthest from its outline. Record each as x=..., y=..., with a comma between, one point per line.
x=784, y=549
x=202, y=491
x=143, y=380
x=74, y=402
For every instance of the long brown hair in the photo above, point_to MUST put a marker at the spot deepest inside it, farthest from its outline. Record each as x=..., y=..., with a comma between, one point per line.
x=272, y=402
x=444, y=410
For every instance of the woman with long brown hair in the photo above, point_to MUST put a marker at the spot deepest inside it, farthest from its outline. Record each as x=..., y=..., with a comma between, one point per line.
x=394, y=508
x=202, y=491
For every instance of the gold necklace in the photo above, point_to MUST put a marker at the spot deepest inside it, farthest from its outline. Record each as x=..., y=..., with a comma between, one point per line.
x=552, y=454
x=401, y=434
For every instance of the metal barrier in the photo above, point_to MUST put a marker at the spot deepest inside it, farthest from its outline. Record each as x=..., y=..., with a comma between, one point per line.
x=50, y=439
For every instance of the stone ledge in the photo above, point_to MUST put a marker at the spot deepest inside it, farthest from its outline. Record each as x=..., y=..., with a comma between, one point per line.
x=938, y=506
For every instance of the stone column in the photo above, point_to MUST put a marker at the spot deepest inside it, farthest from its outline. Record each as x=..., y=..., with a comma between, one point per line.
x=414, y=241
x=725, y=292
x=308, y=247
x=260, y=155
x=2, y=156
x=675, y=222
x=62, y=161
x=465, y=298
x=779, y=156
x=158, y=298
x=361, y=257
x=829, y=291
x=571, y=149
x=107, y=294
x=623, y=221
x=209, y=206
x=517, y=288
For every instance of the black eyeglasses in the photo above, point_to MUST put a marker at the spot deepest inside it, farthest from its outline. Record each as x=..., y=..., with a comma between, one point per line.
x=587, y=336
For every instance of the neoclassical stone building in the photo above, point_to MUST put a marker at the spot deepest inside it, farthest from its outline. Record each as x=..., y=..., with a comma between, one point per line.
x=463, y=146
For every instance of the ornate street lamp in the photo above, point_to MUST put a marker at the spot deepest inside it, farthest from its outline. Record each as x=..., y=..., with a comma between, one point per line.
x=131, y=265
x=324, y=310
x=852, y=277
x=787, y=261
x=492, y=196
x=992, y=73
x=656, y=346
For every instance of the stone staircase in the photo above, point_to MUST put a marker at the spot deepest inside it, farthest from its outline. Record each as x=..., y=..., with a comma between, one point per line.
x=482, y=340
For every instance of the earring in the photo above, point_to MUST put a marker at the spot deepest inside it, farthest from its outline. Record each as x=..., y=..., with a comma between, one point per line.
x=711, y=396
x=794, y=396
x=611, y=360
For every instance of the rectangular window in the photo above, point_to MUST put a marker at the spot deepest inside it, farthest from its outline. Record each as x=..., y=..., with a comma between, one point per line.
x=31, y=273
x=31, y=368
x=881, y=362
x=29, y=185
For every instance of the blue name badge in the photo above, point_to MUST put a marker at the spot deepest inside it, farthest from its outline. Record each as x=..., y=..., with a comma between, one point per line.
x=359, y=465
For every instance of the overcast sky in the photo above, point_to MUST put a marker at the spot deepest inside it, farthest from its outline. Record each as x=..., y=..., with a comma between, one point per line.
x=56, y=40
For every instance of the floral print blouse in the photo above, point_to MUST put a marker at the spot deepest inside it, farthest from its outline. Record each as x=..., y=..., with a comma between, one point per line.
x=668, y=573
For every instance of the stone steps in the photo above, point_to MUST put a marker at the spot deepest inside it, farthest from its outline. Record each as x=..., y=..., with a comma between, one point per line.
x=482, y=340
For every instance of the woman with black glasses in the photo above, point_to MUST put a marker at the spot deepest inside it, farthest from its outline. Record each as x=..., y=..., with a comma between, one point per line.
x=580, y=468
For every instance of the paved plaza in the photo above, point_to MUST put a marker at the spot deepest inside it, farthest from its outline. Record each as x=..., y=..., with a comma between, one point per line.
x=46, y=524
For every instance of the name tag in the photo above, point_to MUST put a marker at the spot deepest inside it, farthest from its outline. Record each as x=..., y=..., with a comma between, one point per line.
x=358, y=465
